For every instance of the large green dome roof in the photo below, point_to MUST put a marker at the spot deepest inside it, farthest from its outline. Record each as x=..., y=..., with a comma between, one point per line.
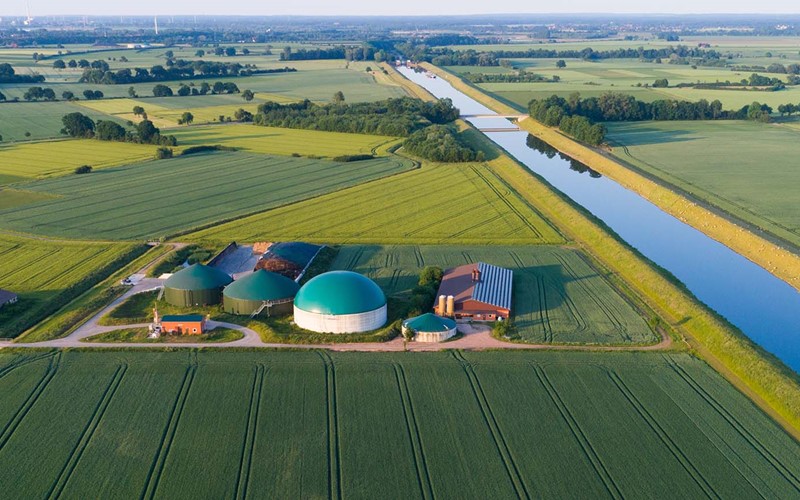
x=430, y=322
x=340, y=292
x=198, y=277
x=262, y=285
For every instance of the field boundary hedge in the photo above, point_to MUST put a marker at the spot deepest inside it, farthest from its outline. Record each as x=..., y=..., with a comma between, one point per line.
x=747, y=366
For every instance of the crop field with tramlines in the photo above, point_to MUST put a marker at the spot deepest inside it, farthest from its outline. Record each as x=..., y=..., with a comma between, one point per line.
x=314, y=424
x=40, y=270
x=283, y=141
x=162, y=197
x=48, y=159
x=436, y=204
x=558, y=296
x=719, y=163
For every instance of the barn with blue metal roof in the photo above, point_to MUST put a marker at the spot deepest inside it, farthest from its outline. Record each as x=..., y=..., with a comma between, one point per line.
x=479, y=291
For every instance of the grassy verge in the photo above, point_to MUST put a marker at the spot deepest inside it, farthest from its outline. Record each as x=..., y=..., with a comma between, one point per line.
x=139, y=335
x=757, y=373
x=413, y=90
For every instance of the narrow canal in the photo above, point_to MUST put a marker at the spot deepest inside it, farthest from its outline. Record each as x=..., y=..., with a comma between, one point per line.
x=764, y=307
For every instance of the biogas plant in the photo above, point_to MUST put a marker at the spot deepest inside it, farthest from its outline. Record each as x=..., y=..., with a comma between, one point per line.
x=340, y=302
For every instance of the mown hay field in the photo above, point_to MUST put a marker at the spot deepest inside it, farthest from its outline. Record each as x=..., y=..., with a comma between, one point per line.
x=163, y=197
x=436, y=204
x=314, y=424
x=721, y=163
x=283, y=141
x=55, y=158
x=558, y=297
x=38, y=270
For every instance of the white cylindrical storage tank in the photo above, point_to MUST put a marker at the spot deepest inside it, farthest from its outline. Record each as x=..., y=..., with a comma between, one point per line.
x=340, y=302
x=442, y=305
x=451, y=306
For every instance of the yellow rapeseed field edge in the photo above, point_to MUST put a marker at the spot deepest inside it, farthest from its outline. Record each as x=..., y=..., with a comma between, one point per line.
x=763, y=378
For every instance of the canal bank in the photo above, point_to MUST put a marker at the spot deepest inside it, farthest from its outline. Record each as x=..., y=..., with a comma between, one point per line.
x=748, y=366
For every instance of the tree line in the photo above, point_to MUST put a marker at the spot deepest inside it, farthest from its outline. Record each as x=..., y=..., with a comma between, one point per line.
x=519, y=77
x=393, y=117
x=577, y=116
x=179, y=70
x=81, y=126
x=444, y=56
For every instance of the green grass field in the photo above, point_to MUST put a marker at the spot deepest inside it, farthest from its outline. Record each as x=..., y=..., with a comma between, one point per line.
x=313, y=424
x=41, y=119
x=283, y=141
x=437, y=204
x=747, y=169
x=161, y=197
x=39, y=270
x=558, y=296
x=54, y=158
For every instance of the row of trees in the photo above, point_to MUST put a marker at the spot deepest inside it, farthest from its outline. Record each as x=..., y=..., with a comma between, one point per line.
x=393, y=117
x=577, y=116
x=48, y=94
x=443, y=56
x=175, y=70
x=519, y=77
x=79, y=125
x=204, y=88
x=350, y=53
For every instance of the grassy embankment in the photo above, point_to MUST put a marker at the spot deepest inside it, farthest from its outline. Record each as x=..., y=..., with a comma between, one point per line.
x=757, y=373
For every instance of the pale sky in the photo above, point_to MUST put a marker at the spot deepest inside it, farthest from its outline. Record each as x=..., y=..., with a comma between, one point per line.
x=386, y=7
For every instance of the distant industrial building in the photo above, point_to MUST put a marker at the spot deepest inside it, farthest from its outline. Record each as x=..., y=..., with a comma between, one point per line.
x=183, y=324
x=196, y=285
x=260, y=291
x=430, y=328
x=479, y=291
x=340, y=302
x=7, y=297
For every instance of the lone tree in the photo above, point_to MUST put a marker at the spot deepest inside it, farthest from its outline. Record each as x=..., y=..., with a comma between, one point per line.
x=59, y=64
x=338, y=97
x=661, y=83
x=200, y=53
x=78, y=125
x=132, y=92
x=186, y=118
x=138, y=111
x=83, y=169
x=248, y=95
x=67, y=95
x=561, y=63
